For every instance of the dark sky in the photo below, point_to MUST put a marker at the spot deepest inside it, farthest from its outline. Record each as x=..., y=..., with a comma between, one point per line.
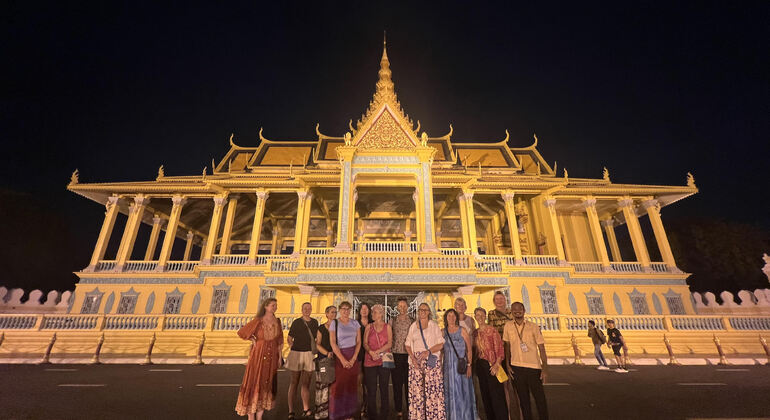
x=650, y=90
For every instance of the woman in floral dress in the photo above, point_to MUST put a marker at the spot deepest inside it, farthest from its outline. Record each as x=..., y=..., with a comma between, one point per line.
x=426, y=380
x=259, y=385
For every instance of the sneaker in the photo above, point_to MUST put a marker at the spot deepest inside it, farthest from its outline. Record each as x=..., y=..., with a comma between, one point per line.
x=619, y=370
x=602, y=367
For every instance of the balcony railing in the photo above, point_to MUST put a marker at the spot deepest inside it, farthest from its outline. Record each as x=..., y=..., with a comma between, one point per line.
x=551, y=260
x=401, y=246
x=237, y=259
x=105, y=266
x=587, y=267
x=229, y=322
x=627, y=267
x=181, y=266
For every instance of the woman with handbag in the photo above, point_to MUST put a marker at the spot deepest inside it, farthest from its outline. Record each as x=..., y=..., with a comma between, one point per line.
x=324, y=366
x=489, y=370
x=378, y=362
x=345, y=338
x=259, y=385
x=426, y=380
x=458, y=382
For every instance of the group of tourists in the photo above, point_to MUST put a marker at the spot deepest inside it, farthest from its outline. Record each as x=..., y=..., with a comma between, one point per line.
x=353, y=360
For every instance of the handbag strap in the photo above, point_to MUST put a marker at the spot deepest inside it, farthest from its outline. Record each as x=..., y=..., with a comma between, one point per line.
x=449, y=337
x=379, y=343
x=310, y=333
x=419, y=324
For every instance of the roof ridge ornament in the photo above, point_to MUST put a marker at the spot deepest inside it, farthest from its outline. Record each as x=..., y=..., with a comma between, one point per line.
x=75, y=177
x=606, y=175
x=161, y=173
x=690, y=180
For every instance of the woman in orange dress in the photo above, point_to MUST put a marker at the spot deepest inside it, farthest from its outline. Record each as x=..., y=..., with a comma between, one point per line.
x=259, y=384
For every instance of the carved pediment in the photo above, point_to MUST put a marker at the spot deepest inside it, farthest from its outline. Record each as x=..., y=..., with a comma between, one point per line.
x=385, y=133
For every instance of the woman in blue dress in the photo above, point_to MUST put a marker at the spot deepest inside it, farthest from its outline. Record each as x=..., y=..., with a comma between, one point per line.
x=458, y=387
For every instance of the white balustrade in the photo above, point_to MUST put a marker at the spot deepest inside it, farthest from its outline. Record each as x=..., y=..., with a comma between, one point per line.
x=443, y=261
x=317, y=251
x=69, y=322
x=105, y=265
x=231, y=322
x=329, y=261
x=696, y=323
x=627, y=267
x=387, y=261
x=234, y=259
x=17, y=322
x=181, y=266
x=455, y=251
x=580, y=322
x=587, y=267
x=545, y=322
x=640, y=323
x=140, y=266
x=489, y=263
x=283, y=265
x=548, y=260
x=659, y=267
x=131, y=322
x=391, y=246
x=749, y=323
x=185, y=322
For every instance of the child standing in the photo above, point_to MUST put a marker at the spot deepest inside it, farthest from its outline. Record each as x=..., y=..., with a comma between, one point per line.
x=616, y=343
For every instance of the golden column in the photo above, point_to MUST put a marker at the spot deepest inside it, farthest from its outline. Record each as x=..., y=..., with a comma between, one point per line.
x=589, y=203
x=425, y=195
x=304, y=201
x=132, y=227
x=157, y=223
x=513, y=226
x=110, y=214
x=653, y=211
x=470, y=241
x=170, y=236
x=274, y=244
x=550, y=204
x=609, y=230
x=347, y=202
x=188, y=246
x=635, y=231
x=329, y=237
x=256, y=228
x=408, y=229
x=216, y=219
x=227, y=231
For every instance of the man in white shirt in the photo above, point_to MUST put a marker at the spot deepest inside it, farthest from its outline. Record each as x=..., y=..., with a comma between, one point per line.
x=525, y=342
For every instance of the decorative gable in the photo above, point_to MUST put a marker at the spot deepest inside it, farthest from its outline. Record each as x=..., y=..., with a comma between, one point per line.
x=385, y=133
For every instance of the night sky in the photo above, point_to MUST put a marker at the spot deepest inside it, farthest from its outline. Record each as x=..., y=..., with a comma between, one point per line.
x=651, y=91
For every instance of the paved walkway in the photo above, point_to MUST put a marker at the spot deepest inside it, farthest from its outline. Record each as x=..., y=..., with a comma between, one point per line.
x=209, y=392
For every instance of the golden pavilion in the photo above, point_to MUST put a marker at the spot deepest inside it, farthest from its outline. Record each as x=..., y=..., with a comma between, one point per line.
x=381, y=211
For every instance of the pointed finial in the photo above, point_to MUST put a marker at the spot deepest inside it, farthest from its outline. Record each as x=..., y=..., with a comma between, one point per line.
x=231, y=139
x=161, y=173
x=384, y=84
x=213, y=166
x=690, y=180
x=606, y=174
x=75, y=177
x=566, y=174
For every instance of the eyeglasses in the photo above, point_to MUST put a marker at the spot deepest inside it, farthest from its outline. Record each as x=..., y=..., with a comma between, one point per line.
x=424, y=310
x=344, y=309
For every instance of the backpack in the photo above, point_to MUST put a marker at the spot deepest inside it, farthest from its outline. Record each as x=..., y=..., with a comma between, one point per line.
x=601, y=336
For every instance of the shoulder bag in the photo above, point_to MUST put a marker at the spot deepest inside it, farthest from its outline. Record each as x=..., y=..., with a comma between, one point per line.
x=388, y=362
x=462, y=362
x=325, y=365
x=432, y=359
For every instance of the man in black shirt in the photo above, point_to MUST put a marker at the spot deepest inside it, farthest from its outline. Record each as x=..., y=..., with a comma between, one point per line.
x=616, y=342
x=300, y=361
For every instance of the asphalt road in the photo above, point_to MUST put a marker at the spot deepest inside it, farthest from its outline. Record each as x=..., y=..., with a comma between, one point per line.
x=209, y=392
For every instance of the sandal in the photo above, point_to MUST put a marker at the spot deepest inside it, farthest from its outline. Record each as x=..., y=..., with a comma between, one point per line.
x=291, y=416
x=307, y=414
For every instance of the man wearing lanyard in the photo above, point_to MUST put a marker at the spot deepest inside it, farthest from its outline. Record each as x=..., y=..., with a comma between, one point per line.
x=525, y=341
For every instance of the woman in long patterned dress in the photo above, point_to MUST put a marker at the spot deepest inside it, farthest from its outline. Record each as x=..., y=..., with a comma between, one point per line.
x=345, y=338
x=324, y=346
x=458, y=388
x=259, y=385
x=426, y=380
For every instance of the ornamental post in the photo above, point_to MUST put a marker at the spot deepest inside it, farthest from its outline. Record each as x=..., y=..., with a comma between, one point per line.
x=157, y=223
x=469, y=222
x=188, y=245
x=304, y=201
x=609, y=230
x=550, y=204
x=227, y=231
x=347, y=203
x=256, y=228
x=635, y=231
x=110, y=214
x=513, y=226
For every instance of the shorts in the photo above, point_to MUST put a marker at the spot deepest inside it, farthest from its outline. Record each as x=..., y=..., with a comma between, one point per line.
x=616, y=349
x=300, y=360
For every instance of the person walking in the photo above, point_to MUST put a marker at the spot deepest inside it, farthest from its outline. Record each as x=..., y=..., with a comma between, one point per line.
x=364, y=318
x=458, y=382
x=598, y=339
x=324, y=345
x=616, y=342
x=426, y=380
x=345, y=338
x=525, y=341
x=400, y=327
x=302, y=341
x=259, y=385
x=488, y=362
x=378, y=339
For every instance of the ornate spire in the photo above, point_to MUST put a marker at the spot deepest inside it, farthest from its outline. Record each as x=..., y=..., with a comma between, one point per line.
x=385, y=84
